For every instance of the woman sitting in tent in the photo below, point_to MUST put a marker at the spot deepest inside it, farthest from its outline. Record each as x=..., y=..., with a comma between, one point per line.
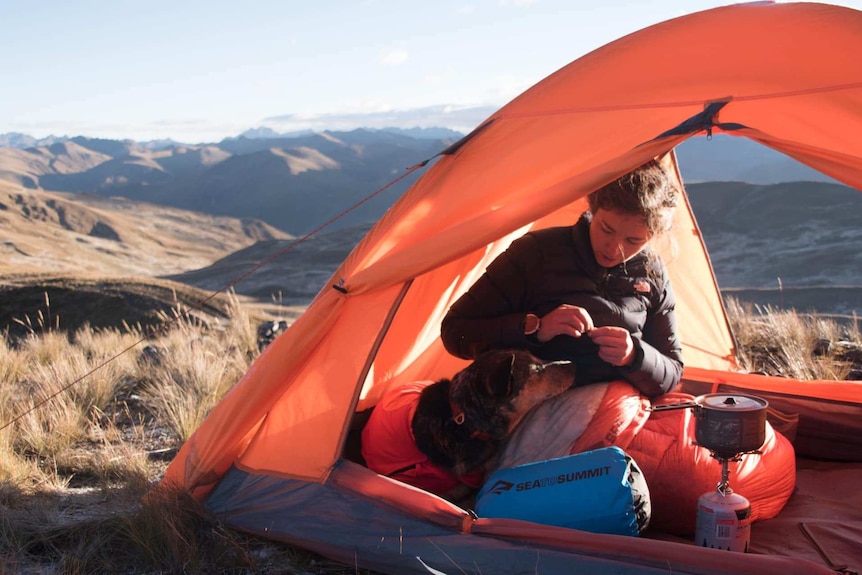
x=593, y=293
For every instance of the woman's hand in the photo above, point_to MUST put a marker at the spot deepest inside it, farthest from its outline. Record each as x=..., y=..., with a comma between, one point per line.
x=615, y=345
x=565, y=320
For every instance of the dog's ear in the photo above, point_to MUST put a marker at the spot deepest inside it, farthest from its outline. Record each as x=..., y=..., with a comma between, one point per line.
x=500, y=379
x=510, y=375
x=434, y=430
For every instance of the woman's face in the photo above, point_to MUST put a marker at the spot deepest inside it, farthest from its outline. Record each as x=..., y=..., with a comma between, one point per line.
x=617, y=236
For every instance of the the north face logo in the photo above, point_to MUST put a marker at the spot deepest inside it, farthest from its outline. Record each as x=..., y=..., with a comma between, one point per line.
x=500, y=487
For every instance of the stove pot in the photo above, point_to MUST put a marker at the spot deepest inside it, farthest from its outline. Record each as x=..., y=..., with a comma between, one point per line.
x=730, y=424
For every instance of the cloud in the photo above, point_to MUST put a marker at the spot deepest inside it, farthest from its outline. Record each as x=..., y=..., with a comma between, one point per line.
x=460, y=118
x=370, y=114
x=394, y=56
x=184, y=130
x=507, y=87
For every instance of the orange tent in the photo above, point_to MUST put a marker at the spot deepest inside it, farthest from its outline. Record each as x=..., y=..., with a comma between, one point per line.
x=270, y=457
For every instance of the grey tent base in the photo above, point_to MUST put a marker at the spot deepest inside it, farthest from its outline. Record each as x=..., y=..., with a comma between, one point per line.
x=351, y=528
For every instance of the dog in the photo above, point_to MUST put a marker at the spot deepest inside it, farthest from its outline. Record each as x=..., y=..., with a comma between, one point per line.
x=440, y=435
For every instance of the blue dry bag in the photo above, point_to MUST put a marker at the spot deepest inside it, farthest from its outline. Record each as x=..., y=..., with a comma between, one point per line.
x=601, y=491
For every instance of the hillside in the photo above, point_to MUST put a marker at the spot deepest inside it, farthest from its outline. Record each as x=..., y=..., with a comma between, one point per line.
x=33, y=304
x=725, y=158
x=285, y=271
x=49, y=232
x=806, y=233
x=293, y=183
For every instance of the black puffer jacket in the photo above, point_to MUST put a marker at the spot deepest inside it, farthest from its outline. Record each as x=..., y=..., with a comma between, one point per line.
x=547, y=268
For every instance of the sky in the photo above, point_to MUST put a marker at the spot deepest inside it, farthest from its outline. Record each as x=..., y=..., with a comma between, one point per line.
x=198, y=71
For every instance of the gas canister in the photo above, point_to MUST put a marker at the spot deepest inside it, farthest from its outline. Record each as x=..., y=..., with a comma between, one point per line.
x=723, y=521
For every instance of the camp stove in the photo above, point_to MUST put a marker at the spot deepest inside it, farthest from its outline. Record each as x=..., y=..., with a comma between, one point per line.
x=724, y=517
x=730, y=426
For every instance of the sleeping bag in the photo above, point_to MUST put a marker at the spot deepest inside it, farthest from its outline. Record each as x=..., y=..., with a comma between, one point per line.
x=389, y=449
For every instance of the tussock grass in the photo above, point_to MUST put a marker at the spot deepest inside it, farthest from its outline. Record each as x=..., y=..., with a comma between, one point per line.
x=11, y=366
x=189, y=383
x=790, y=344
x=90, y=420
x=194, y=369
x=42, y=322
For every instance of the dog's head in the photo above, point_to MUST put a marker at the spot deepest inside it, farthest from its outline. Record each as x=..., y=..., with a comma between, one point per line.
x=493, y=394
x=459, y=423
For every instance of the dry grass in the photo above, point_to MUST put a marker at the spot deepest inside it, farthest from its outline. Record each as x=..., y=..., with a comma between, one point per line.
x=191, y=371
x=90, y=418
x=791, y=344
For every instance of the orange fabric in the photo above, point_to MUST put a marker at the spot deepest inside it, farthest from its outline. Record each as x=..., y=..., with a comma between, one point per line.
x=792, y=78
x=400, y=495
x=846, y=391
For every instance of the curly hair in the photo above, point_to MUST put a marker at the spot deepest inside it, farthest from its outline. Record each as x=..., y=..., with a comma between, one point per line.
x=648, y=191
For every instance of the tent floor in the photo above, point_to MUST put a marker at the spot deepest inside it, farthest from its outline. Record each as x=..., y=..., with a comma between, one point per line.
x=822, y=520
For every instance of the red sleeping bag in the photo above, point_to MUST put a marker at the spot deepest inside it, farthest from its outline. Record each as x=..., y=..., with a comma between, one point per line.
x=677, y=471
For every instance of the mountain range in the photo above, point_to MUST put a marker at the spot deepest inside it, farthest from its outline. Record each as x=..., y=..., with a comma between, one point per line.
x=294, y=183
x=203, y=214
